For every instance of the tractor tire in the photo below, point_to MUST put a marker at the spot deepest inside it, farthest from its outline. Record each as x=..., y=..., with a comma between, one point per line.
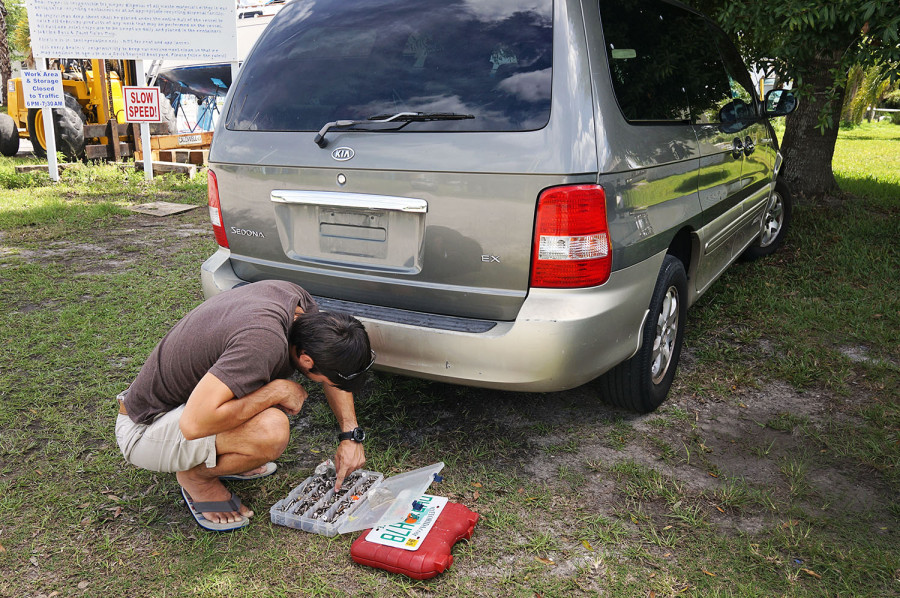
x=9, y=136
x=68, y=123
x=169, y=124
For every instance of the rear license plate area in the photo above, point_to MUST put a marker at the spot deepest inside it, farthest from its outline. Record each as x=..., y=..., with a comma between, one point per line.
x=351, y=230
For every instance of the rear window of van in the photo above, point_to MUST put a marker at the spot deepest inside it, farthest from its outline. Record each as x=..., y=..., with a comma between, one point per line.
x=321, y=61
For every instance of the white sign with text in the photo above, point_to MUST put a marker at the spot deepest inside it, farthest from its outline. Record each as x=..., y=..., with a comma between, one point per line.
x=43, y=89
x=201, y=30
x=142, y=104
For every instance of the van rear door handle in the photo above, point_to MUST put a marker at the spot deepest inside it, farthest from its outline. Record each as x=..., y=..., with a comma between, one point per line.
x=737, y=148
x=749, y=146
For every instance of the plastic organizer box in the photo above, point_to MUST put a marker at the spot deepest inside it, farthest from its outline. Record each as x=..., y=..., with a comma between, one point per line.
x=313, y=506
x=366, y=499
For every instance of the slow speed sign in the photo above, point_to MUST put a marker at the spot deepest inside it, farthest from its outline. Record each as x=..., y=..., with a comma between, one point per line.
x=142, y=105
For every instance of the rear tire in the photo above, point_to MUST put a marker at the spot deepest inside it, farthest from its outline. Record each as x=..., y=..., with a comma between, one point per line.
x=776, y=223
x=642, y=383
x=9, y=136
x=68, y=123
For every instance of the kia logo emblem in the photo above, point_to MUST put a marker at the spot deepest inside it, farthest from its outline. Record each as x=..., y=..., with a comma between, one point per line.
x=342, y=154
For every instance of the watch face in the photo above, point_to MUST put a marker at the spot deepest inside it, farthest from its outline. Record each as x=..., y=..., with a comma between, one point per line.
x=356, y=435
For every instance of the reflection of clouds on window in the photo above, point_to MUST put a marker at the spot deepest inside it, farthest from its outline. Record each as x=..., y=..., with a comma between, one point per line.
x=531, y=123
x=300, y=12
x=530, y=87
x=344, y=61
x=497, y=10
x=333, y=42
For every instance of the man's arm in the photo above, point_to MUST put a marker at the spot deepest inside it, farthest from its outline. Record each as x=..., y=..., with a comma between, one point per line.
x=212, y=408
x=350, y=455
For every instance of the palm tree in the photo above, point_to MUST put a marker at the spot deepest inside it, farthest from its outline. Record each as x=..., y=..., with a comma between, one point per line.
x=866, y=87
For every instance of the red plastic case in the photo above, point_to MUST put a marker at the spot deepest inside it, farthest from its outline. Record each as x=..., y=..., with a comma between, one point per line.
x=456, y=522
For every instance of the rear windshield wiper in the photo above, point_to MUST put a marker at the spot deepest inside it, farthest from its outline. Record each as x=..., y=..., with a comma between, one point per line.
x=403, y=118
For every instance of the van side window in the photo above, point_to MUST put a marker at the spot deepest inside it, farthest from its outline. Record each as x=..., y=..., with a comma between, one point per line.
x=662, y=63
x=741, y=84
x=645, y=47
x=721, y=92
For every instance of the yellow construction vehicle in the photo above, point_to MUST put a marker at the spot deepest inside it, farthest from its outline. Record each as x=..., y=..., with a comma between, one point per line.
x=93, y=95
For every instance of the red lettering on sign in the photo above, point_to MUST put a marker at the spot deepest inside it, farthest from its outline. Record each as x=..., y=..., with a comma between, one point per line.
x=142, y=104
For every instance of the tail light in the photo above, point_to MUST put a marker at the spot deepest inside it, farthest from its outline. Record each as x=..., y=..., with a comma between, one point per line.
x=571, y=239
x=215, y=210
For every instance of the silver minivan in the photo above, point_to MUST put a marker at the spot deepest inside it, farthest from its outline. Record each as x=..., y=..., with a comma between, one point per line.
x=512, y=194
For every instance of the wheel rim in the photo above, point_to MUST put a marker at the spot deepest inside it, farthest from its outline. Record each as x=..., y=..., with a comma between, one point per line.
x=666, y=333
x=773, y=220
x=39, y=129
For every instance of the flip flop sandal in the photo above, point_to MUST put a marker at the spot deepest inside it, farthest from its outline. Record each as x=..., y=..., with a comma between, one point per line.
x=222, y=506
x=270, y=469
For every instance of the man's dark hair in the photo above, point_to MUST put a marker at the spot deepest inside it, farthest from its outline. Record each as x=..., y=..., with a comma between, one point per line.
x=338, y=345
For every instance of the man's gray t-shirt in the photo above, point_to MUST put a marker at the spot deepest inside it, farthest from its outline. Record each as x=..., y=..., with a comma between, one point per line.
x=240, y=336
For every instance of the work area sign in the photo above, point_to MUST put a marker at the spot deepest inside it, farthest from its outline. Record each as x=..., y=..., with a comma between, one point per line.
x=43, y=89
x=142, y=105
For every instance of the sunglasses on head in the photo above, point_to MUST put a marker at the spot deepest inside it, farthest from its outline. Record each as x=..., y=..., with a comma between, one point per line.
x=362, y=371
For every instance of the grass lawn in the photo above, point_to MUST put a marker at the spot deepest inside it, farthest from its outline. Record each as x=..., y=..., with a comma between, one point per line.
x=867, y=161
x=773, y=469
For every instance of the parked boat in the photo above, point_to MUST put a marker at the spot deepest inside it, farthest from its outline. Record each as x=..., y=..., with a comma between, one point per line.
x=209, y=82
x=258, y=9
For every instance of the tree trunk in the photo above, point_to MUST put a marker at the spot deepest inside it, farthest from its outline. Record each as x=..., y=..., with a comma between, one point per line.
x=5, y=66
x=807, y=151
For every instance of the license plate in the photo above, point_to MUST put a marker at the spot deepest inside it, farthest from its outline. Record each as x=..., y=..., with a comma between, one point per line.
x=410, y=533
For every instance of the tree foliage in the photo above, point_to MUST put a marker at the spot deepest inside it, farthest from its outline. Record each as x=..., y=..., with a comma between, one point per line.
x=790, y=37
x=12, y=14
x=812, y=43
x=17, y=30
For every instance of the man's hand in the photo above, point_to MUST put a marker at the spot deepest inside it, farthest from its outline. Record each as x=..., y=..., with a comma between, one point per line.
x=293, y=398
x=349, y=457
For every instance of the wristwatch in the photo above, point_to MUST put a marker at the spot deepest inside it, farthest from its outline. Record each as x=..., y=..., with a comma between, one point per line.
x=356, y=435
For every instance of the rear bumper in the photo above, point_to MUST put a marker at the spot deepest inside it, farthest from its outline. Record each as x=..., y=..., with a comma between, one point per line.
x=559, y=340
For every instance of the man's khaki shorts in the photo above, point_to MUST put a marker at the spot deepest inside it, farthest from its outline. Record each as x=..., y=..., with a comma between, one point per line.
x=160, y=445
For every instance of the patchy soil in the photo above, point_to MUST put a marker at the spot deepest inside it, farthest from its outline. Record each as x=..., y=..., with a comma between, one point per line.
x=116, y=246
x=697, y=443
x=728, y=460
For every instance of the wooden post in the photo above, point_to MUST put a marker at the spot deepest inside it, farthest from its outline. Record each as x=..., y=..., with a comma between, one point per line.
x=112, y=134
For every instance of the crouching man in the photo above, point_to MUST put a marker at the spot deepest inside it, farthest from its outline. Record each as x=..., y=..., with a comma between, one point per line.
x=211, y=402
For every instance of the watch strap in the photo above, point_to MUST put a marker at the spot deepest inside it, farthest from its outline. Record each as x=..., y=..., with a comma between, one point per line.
x=356, y=435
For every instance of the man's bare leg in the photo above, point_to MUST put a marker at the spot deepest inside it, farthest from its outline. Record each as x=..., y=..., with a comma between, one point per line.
x=247, y=447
